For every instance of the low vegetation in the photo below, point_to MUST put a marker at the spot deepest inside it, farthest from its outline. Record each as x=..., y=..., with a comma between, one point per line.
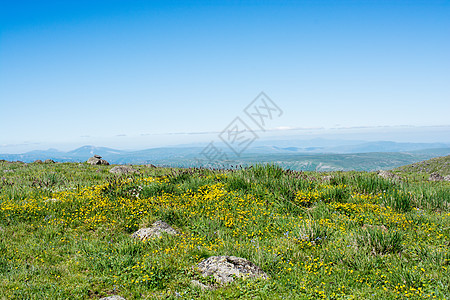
x=440, y=165
x=65, y=233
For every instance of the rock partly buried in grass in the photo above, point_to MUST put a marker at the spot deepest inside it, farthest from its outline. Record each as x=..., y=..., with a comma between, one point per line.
x=226, y=268
x=97, y=160
x=122, y=170
x=113, y=297
x=385, y=174
x=435, y=177
x=52, y=200
x=157, y=229
x=49, y=161
x=388, y=175
x=198, y=284
x=150, y=166
x=447, y=178
x=38, y=161
x=327, y=178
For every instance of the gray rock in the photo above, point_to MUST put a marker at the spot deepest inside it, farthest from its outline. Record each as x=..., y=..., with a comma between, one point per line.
x=155, y=231
x=150, y=166
x=435, y=177
x=447, y=178
x=49, y=161
x=225, y=268
x=52, y=200
x=38, y=161
x=97, y=156
x=389, y=175
x=122, y=170
x=327, y=178
x=113, y=297
x=97, y=161
x=385, y=174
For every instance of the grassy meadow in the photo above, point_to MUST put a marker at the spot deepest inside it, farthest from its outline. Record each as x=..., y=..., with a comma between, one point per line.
x=65, y=233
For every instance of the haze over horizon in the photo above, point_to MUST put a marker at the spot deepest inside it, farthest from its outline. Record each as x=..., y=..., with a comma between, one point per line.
x=143, y=74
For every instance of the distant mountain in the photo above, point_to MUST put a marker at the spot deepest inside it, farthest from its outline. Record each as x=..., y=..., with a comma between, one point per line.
x=385, y=146
x=88, y=151
x=331, y=146
x=302, y=156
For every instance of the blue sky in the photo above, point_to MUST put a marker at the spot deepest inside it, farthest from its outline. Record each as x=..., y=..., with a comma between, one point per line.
x=129, y=74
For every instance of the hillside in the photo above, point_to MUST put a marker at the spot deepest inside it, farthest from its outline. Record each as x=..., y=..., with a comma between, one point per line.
x=440, y=165
x=76, y=231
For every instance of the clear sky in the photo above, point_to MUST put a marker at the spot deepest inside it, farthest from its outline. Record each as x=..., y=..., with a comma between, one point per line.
x=130, y=74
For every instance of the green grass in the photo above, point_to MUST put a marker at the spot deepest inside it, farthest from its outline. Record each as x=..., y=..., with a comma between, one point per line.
x=441, y=165
x=65, y=233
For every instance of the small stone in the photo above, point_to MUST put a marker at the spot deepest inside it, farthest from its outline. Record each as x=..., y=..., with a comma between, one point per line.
x=113, y=297
x=327, y=178
x=155, y=231
x=225, y=268
x=52, y=200
x=435, y=177
x=385, y=174
x=389, y=175
x=447, y=178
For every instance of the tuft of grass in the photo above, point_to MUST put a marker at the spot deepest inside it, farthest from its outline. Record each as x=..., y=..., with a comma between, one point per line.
x=377, y=240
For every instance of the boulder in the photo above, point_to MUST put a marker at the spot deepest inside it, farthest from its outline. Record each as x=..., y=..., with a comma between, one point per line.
x=155, y=231
x=225, y=268
x=122, y=170
x=97, y=161
x=97, y=156
x=435, y=177
x=49, y=161
x=150, y=166
x=38, y=161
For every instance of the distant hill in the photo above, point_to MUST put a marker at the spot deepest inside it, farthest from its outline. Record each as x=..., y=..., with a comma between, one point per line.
x=300, y=157
x=440, y=165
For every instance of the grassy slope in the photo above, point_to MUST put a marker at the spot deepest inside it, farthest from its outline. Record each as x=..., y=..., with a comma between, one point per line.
x=440, y=165
x=64, y=233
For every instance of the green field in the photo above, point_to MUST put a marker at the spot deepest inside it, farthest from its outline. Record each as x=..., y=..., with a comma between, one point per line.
x=65, y=233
